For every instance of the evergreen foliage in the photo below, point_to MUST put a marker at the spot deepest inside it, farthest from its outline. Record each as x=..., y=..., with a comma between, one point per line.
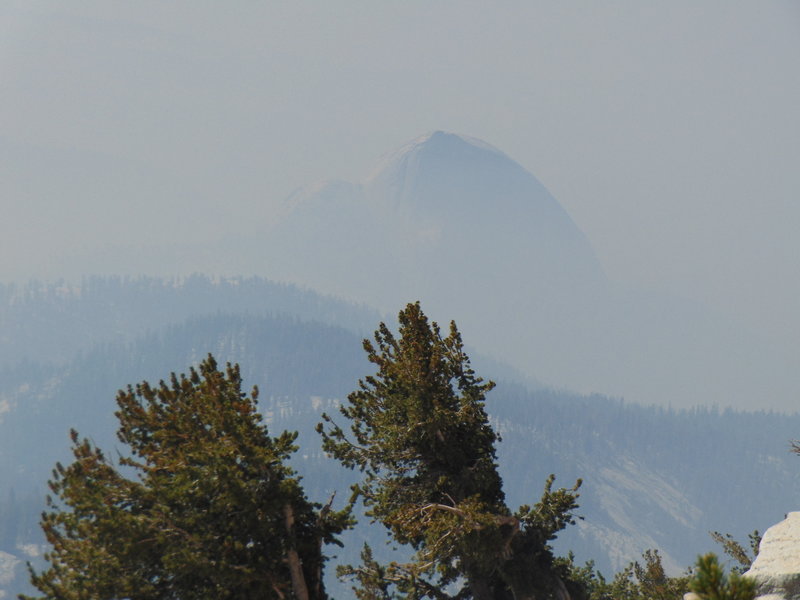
x=422, y=440
x=204, y=506
x=711, y=583
x=737, y=551
x=638, y=581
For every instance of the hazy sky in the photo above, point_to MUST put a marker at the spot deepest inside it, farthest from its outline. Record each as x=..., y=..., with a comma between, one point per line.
x=669, y=130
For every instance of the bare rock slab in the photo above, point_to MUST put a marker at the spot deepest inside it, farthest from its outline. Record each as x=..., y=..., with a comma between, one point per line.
x=777, y=567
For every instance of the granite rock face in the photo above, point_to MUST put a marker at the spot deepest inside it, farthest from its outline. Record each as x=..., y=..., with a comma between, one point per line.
x=777, y=567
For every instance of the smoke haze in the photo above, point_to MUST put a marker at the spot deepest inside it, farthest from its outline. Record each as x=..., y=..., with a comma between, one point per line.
x=668, y=132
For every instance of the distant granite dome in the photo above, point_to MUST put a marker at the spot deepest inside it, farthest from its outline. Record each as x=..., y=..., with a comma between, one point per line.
x=447, y=170
x=454, y=222
x=457, y=224
x=401, y=165
x=459, y=188
x=434, y=208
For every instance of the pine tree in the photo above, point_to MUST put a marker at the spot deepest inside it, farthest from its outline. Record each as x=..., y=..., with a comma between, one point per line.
x=643, y=581
x=737, y=551
x=422, y=439
x=711, y=583
x=203, y=506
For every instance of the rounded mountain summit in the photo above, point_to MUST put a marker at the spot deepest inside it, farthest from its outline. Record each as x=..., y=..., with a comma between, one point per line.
x=455, y=223
x=443, y=217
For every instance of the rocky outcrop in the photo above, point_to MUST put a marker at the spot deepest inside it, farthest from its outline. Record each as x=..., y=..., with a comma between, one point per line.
x=777, y=567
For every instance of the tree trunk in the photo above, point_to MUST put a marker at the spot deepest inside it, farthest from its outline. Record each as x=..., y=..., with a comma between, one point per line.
x=480, y=588
x=480, y=584
x=295, y=563
x=562, y=592
x=523, y=592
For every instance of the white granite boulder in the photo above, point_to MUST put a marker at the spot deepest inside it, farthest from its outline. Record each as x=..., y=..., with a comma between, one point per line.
x=777, y=567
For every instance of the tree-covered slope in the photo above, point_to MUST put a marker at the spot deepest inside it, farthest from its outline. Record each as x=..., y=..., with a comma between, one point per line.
x=51, y=322
x=653, y=477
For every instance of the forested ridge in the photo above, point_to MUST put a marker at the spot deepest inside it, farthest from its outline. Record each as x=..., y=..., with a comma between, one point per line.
x=51, y=322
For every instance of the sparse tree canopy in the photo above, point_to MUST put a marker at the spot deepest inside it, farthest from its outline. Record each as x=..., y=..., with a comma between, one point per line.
x=204, y=506
x=421, y=437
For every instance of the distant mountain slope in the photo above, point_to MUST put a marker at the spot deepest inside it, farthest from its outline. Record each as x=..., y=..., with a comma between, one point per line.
x=288, y=359
x=51, y=322
x=653, y=477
